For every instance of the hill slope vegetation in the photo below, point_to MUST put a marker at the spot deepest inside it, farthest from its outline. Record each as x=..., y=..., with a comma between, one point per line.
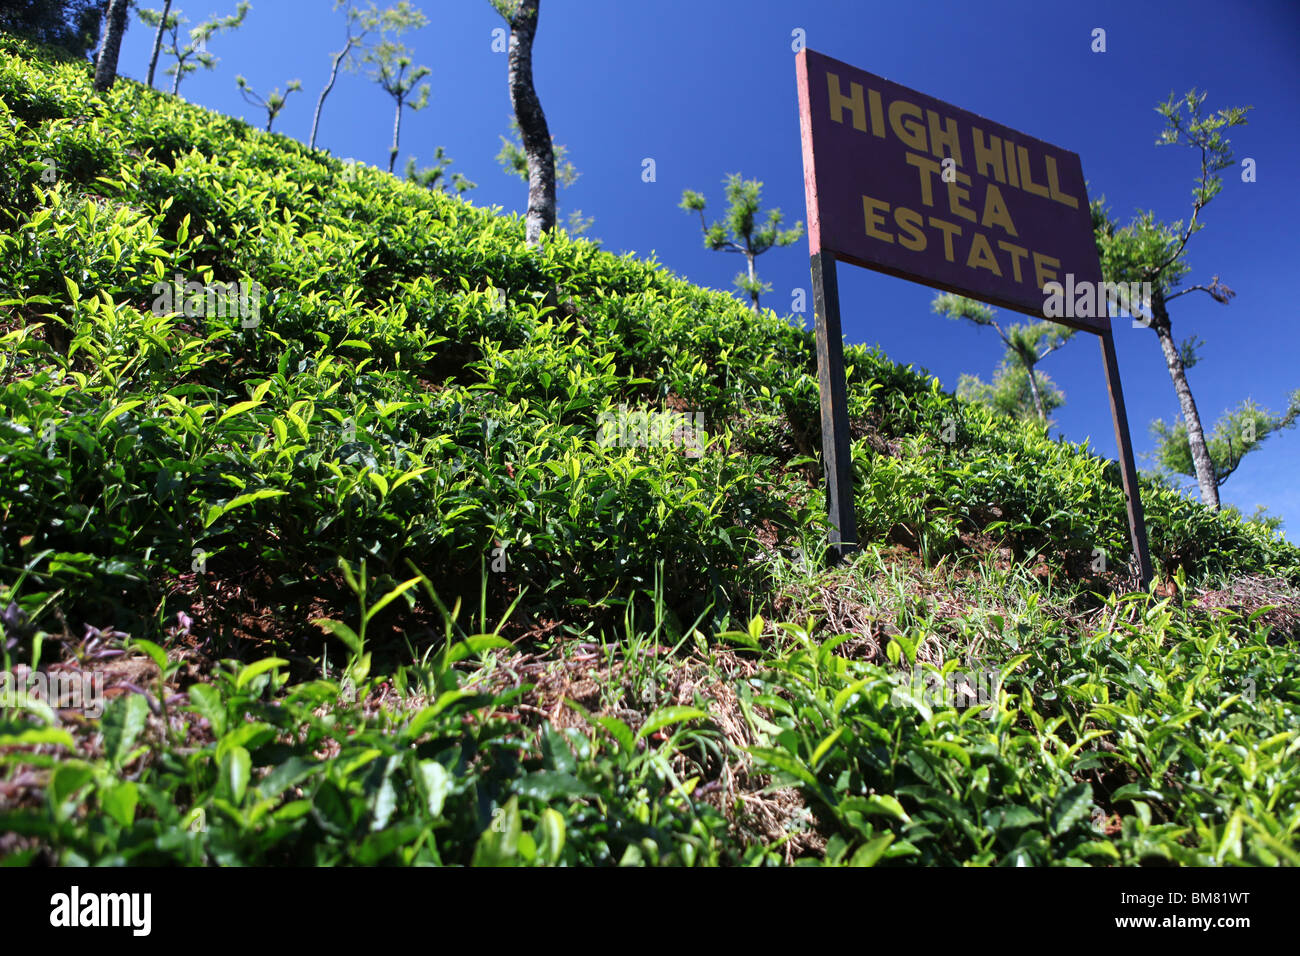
x=357, y=532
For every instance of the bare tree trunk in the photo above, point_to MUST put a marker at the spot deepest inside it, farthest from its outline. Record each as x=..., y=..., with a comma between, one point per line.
x=753, y=295
x=1038, y=397
x=397, y=132
x=176, y=80
x=334, y=73
x=114, y=27
x=532, y=122
x=1201, y=460
x=157, y=41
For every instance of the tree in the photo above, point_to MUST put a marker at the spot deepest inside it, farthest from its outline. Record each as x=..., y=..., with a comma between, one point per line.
x=159, y=19
x=538, y=150
x=435, y=177
x=1027, y=344
x=1261, y=517
x=740, y=232
x=390, y=61
x=1151, y=251
x=194, y=53
x=106, y=63
x=1237, y=433
x=359, y=24
x=273, y=103
x=1011, y=393
x=514, y=161
x=71, y=25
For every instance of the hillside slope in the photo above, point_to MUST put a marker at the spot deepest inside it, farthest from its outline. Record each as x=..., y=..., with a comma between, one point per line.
x=372, y=573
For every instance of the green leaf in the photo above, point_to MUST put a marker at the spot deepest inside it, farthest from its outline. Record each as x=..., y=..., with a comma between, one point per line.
x=784, y=761
x=551, y=843
x=1071, y=807
x=435, y=783
x=258, y=667
x=64, y=790
x=871, y=851
x=826, y=745
x=391, y=596
x=117, y=410
x=341, y=631
x=124, y=718
x=119, y=801
x=206, y=702
x=499, y=843
x=667, y=716
x=156, y=653
x=550, y=784
x=877, y=804
x=55, y=736
x=238, y=409
x=236, y=767
x=218, y=510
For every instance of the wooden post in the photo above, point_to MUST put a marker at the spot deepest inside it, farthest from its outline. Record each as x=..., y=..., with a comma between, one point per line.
x=1128, y=470
x=832, y=390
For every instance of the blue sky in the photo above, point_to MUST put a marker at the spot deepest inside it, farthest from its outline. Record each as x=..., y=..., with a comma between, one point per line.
x=707, y=87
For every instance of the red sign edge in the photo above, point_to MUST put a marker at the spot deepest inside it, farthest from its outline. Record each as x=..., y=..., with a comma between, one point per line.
x=809, y=163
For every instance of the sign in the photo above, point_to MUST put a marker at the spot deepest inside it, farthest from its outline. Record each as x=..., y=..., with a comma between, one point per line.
x=905, y=184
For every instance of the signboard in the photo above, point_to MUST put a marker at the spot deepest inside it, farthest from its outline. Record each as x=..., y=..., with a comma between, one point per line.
x=907, y=185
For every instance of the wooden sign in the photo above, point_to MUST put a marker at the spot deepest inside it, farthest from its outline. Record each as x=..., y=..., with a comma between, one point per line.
x=905, y=184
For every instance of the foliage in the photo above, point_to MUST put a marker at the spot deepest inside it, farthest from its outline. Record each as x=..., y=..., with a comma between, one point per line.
x=1009, y=393
x=273, y=103
x=1018, y=389
x=514, y=162
x=73, y=26
x=1237, y=433
x=740, y=231
x=435, y=177
x=193, y=54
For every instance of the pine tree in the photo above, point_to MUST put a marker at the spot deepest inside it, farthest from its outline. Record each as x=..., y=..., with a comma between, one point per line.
x=1150, y=251
x=740, y=231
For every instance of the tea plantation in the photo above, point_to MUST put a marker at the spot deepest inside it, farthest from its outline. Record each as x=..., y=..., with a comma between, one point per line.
x=367, y=581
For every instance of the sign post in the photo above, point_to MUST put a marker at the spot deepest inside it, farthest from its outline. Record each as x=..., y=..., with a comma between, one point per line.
x=904, y=184
x=832, y=389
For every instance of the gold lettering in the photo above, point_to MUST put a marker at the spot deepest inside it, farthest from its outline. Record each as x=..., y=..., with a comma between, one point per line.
x=946, y=137
x=875, y=219
x=950, y=229
x=853, y=101
x=913, y=134
x=1054, y=186
x=995, y=211
x=1043, y=275
x=1017, y=253
x=988, y=156
x=1026, y=182
x=925, y=166
x=981, y=255
x=909, y=220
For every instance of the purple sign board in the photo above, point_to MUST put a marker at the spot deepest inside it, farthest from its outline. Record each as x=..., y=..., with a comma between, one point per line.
x=905, y=184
